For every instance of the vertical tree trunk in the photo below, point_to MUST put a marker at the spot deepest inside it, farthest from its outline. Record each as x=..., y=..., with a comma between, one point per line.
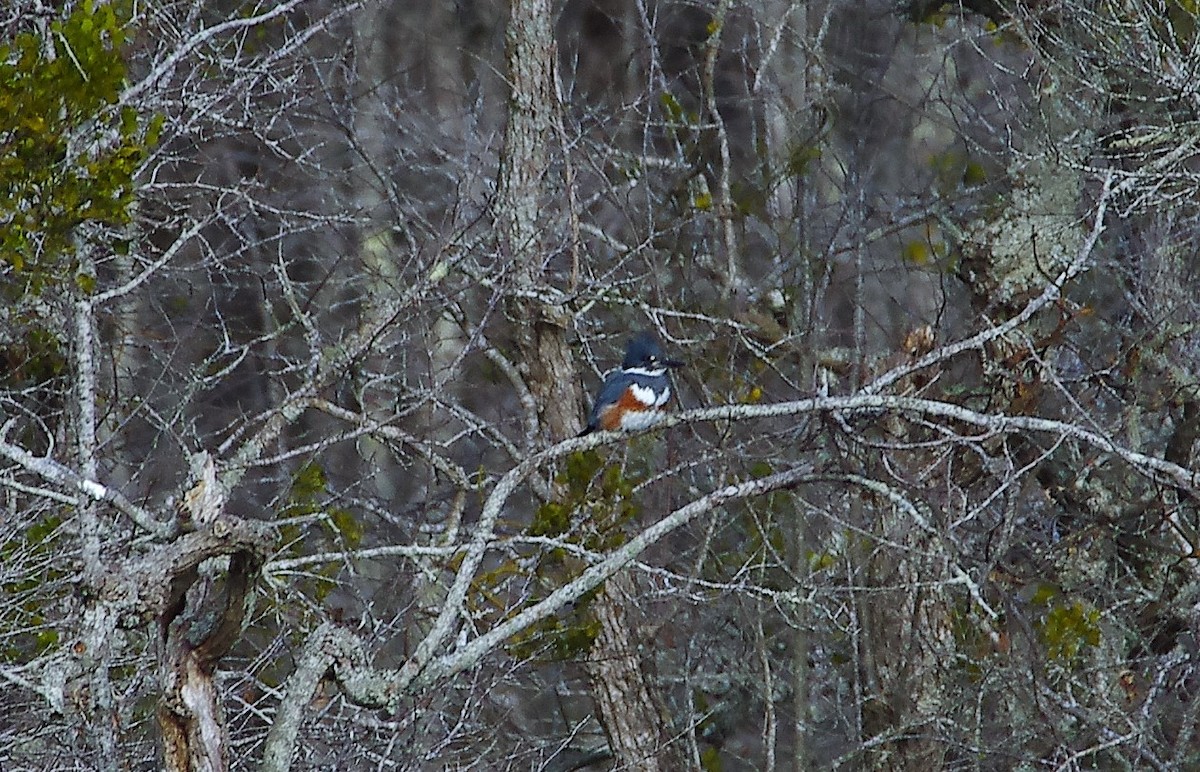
x=202, y=619
x=623, y=693
x=199, y=627
x=533, y=105
x=633, y=715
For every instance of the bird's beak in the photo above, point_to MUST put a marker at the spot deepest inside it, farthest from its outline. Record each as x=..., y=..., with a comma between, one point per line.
x=671, y=363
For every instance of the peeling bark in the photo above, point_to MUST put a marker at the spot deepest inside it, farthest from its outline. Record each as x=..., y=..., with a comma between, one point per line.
x=199, y=627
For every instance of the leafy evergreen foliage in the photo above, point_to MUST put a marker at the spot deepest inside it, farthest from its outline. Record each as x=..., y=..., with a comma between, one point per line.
x=69, y=149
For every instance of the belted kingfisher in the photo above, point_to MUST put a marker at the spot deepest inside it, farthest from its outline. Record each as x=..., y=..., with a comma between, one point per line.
x=633, y=397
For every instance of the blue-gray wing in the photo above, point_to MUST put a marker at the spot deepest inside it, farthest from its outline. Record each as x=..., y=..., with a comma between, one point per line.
x=614, y=386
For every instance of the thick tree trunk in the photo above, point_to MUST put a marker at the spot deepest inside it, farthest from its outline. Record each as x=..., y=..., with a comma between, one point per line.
x=202, y=623
x=633, y=716
x=533, y=115
x=624, y=695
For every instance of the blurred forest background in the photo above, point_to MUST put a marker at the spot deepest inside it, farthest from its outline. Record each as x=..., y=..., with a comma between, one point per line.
x=303, y=303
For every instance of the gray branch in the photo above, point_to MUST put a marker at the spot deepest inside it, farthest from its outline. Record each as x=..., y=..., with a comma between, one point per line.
x=52, y=471
x=331, y=650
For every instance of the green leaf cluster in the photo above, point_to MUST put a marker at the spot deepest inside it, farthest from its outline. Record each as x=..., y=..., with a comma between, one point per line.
x=25, y=626
x=68, y=152
x=801, y=157
x=954, y=170
x=1066, y=629
x=605, y=494
x=559, y=639
x=307, y=496
x=675, y=113
x=1069, y=629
